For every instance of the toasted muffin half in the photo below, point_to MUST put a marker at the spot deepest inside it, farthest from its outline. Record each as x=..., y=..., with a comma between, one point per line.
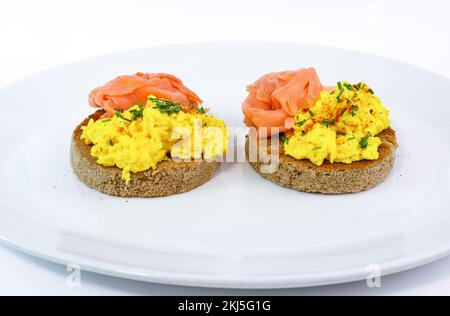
x=329, y=178
x=168, y=178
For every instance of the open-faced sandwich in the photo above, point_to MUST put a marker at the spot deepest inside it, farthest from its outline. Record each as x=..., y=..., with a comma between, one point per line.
x=149, y=138
x=332, y=139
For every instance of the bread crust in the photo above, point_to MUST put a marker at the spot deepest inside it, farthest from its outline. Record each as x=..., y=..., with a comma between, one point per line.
x=168, y=178
x=331, y=178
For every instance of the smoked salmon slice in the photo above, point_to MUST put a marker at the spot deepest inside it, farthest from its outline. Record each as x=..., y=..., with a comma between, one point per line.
x=125, y=91
x=276, y=97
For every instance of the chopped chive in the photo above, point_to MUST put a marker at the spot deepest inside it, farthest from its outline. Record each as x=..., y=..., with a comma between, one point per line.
x=111, y=142
x=166, y=106
x=338, y=97
x=310, y=112
x=370, y=91
x=325, y=123
x=351, y=138
x=339, y=84
x=316, y=148
x=348, y=86
x=137, y=113
x=106, y=120
x=301, y=123
x=363, y=143
x=342, y=112
x=340, y=133
x=119, y=115
x=283, y=138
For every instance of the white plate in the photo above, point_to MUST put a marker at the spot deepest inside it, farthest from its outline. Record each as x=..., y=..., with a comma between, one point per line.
x=238, y=230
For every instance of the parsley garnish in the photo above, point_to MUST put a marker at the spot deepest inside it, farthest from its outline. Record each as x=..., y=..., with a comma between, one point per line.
x=363, y=143
x=339, y=84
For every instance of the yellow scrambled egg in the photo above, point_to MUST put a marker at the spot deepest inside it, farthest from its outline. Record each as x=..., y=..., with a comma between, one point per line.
x=340, y=127
x=139, y=138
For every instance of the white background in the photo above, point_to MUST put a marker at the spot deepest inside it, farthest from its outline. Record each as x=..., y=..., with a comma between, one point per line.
x=35, y=35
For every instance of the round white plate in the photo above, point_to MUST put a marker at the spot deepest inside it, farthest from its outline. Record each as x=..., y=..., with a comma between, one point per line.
x=238, y=230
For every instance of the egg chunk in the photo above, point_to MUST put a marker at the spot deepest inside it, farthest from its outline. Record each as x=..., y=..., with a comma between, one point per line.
x=139, y=138
x=342, y=126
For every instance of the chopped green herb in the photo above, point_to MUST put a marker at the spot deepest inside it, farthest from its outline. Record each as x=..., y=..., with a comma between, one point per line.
x=342, y=112
x=358, y=85
x=340, y=133
x=166, y=106
x=363, y=143
x=301, y=122
x=325, y=123
x=137, y=113
x=316, y=148
x=354, y=109
x=310, y=112
x=339, y=84
x=201, y=110
x=348, y=86
x=370, y=91
x=338, y=97
x=283, y=138
x=106, y=120
x=119, y=115
x=111, y=142
x=333, y=121
x=351, y=138
x=355, y=95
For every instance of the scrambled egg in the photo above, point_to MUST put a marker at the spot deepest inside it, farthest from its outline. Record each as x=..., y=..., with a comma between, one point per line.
x=139, y=138
x=340, y=127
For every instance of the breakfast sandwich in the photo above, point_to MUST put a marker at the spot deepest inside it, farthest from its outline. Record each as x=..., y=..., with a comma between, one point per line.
x=331, y=139
x=150, y=137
